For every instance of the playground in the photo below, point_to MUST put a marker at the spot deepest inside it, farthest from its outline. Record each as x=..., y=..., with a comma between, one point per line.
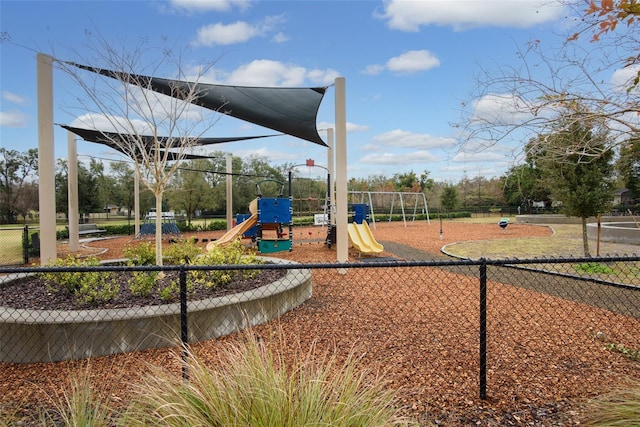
x=421, y=335
x=468, y=238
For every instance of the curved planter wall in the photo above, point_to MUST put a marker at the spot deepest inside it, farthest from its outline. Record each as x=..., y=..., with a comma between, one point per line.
x=617, y=232
x=28, y=336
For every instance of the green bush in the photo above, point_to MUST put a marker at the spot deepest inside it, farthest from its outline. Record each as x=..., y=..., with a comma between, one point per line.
x=594, y=268
x=142, y=282
x=141, y=254
x=232, y=254
x=217, y=225
x=119, y=230
x=89, y=287
x=182, y=252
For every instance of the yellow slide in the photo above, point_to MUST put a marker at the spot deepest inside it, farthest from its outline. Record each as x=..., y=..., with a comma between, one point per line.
x=235, y=232
x=362, y=239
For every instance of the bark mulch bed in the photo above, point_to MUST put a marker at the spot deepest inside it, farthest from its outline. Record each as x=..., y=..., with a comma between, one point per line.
x=422, y=337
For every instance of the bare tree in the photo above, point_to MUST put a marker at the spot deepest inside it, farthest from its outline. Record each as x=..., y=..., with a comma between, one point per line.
x=155, y=130
x=591, y=79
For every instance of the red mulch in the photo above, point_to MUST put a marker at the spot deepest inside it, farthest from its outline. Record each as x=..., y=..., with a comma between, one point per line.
x=418, y=335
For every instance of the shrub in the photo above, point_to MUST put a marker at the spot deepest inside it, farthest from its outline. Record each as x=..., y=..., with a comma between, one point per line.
x=89, y=287
x=182, y=252
x=233, y=254
x=217, y=225
x=594, y=268
x=142, y=254
x=142, y=282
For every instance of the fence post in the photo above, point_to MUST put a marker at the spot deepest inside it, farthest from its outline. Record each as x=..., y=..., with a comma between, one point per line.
x=184, y=332
x=483, y=329
x=25, y=244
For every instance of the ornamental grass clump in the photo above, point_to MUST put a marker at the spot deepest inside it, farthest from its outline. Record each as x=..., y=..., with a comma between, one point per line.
x=620, y=407
x=252, y=384
x=80, y=405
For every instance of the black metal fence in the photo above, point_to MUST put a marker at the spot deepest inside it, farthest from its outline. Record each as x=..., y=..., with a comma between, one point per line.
x=18, y=244
x=450, y=333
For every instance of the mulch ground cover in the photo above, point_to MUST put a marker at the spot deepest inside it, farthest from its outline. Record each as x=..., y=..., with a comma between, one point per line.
x=542, y=369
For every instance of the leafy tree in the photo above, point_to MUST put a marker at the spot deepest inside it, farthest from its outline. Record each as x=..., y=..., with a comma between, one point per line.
x=407, y=181
x=426, y=183
x=27, y=199
x=449, y=199
x=523, y=185
x=628, y=166
x=189, y=190
x=17, y=169
x=123, y=190
x=106, y=185
x=88, y=189
x=583, y=181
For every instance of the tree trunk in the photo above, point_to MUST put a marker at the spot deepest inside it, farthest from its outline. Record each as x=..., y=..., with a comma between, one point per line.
x=158, y=229
x=585, y=240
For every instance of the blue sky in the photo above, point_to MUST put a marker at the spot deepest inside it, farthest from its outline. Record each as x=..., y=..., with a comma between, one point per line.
x=408, y=66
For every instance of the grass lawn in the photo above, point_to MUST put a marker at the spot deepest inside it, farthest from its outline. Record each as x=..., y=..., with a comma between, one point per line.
x=11, y=245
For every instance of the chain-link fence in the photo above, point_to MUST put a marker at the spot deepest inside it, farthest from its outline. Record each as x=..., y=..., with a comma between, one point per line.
x=18, y=245
x=519, y=335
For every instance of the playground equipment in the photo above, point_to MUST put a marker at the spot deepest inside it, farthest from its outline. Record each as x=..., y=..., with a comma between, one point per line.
x=268, y=214
x=397, y=197
x=362, y=238
x=359, y=232
x=503, y=224
x=169, y=225
x=273, y=213
x=324, y=218
x=240, y=229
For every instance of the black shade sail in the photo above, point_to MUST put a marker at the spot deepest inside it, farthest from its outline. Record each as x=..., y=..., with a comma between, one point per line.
x=109, y=138
x=291, y=111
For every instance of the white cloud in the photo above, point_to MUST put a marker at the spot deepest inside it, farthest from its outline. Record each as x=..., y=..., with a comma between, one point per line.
x=265, y=72
x=501, y=109
x=622, y=78
x=374, y=69
x=110, y=123
x=271, y=155
x=269, y=73
x=406, y=139
x=13, y=98
x=238, y=32
x=351, y=127
x=481, y=156
x=409, y=62
x=13, y=119
x=410, y=15
x=412, y=62
x=222, y=34
x=215, y=5
x=280, y=38
x=322, y=77
x=399, y=159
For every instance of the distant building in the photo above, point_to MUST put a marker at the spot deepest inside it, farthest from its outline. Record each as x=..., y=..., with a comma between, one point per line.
x=622, y=197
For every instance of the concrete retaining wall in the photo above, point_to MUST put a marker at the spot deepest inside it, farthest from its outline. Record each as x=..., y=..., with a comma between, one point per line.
x=619, y=232
x=28, y=336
